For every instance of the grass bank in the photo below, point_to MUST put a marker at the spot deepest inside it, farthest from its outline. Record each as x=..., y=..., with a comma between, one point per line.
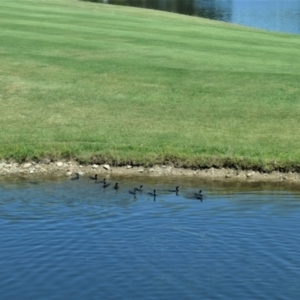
x=125, y=85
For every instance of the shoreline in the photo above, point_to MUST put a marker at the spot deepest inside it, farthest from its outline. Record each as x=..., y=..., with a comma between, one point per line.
x=70, y=168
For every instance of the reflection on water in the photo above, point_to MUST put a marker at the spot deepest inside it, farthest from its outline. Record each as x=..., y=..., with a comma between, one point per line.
x=273, y=15
x=75, y=240
x=211, y=9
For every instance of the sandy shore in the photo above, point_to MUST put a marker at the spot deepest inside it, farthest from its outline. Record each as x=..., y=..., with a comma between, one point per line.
x=69, y=168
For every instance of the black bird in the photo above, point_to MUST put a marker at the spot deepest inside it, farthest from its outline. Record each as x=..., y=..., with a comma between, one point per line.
x=105, y=185
x=133, y=192
x=101, y=181
x=174, y=191
x=153, y=194
x=139, y=189
x=116, y=187
x=199, y=195
x=94, y=177
x=75, y=178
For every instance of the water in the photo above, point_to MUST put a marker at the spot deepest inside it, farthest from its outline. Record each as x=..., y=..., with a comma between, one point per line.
x=273, y=15
x=64, y=239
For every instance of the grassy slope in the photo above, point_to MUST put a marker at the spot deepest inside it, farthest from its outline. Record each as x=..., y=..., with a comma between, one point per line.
x=131, y=85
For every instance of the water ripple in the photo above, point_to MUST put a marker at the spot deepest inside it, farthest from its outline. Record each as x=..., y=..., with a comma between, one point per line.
x=74, y=240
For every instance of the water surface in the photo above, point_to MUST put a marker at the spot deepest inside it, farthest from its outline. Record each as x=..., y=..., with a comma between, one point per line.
x=65, y=239
x=273, y=15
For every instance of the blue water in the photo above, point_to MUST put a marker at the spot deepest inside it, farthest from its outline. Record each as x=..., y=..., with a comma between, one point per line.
x=64, y=239
x=272, y=15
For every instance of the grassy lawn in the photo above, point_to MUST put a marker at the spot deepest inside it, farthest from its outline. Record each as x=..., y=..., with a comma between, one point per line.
x=125, y=85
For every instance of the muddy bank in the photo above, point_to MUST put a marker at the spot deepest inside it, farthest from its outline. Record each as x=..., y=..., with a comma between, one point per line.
x=70, y=168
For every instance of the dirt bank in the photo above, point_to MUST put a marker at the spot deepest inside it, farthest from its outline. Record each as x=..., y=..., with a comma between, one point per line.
x=69, y=168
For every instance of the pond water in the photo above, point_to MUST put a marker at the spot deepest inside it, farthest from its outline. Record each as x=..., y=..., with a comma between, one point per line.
x=273, y=15
x=73, y=239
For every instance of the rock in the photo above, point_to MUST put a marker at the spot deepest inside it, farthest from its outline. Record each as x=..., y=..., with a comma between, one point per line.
x=69, y=173
x=128, y=166
x=94, y=166
x=151, y=170
x=250, y=174
x=59, y=164
x=106, y=167
x=45, y=161
x=141, y=170
x=27, y=165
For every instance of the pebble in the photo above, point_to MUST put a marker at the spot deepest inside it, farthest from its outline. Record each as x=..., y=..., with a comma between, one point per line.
x=27, y=165
x=59, y=164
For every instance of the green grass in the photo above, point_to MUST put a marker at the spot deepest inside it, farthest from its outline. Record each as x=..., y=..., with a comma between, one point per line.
x=125, y=85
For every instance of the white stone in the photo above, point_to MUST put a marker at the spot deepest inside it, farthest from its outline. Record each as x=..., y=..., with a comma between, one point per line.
x=59, y=164
x=94, y=166
x=106, y=167
x=69, y=173
x=27, y=165
x=249, y=174
x=128, y=166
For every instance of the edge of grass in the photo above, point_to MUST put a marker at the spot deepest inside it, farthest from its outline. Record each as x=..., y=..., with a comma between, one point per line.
x=117, y=159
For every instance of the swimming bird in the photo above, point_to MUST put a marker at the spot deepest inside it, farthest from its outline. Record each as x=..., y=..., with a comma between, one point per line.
x=101, y=181
x=133, y=192
x=94, y=177
x=153, y=194
x=75, y=178
x=174, y=191
x=105, y=185
x=199, y=195
x=116, y=187
x=139, y=189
